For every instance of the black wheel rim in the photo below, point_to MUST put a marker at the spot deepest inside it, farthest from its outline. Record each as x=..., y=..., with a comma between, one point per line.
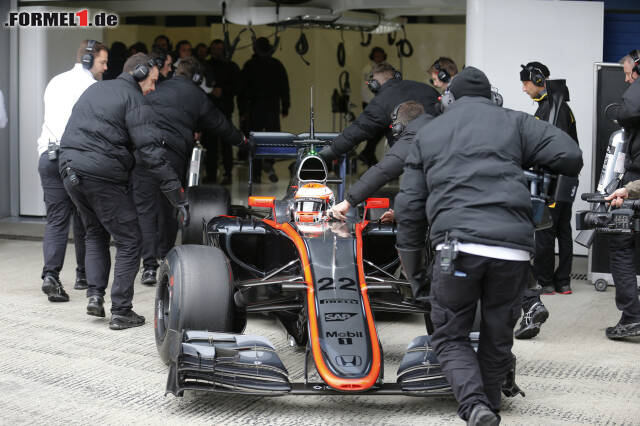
x=164, y=307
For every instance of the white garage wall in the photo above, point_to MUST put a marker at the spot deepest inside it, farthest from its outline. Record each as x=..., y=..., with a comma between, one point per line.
x=43, y=53
x=564, y=35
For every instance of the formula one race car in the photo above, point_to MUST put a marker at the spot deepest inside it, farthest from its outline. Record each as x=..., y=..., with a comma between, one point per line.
x=323, y=279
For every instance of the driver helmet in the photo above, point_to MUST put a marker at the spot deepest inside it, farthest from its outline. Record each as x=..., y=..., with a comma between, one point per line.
x=311, y=202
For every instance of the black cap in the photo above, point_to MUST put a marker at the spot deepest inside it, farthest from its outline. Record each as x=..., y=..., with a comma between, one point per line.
x=525, y=73
x=470, y=82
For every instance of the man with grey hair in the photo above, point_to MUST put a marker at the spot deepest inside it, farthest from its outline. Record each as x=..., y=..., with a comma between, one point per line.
x=110, y=122
x=622, y=247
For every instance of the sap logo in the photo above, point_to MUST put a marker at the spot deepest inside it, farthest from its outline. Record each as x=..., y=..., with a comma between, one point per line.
x=339, y=316
x=349, y=360
x=344, y=333
x=332, y=301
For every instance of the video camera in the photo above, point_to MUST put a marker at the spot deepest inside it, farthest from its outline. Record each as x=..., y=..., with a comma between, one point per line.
x=545, y=189
x=623, y=220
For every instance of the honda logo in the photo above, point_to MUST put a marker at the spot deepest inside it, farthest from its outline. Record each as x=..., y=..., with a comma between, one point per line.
x=349, y=360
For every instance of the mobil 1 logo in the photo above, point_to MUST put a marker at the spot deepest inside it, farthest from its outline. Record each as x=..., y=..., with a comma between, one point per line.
x=344, y=337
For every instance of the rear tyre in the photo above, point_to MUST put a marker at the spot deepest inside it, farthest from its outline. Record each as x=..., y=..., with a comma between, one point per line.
x=205, y=203
x=195, y=291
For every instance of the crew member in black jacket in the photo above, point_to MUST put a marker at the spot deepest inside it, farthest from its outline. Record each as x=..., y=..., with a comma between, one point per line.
x=552, y=97
x=464, y=178
x=181, y=108
x=622, y=247
x=409, y=118
x=264, y=95
x=374, y=121
x=225, y=76
x=108, y=123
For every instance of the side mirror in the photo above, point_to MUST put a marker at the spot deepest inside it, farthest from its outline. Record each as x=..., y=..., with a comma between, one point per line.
x=267, y=202
x=375, y=203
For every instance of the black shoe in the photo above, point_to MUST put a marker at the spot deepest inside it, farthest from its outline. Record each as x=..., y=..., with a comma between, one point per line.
x=226, y=180
x=52, y=287
x=81, y=282
x=564, y=289
x=148, y=276
x=531, y=321
x=548, y=289
x=128, y=320
x=481, y=415
x=95, y=307
x=620, y=331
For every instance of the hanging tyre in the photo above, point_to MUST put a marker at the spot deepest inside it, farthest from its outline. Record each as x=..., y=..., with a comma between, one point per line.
x=205, y=203
x=195, y=292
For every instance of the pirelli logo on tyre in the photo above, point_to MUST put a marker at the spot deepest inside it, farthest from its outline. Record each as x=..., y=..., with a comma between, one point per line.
x=80, y=18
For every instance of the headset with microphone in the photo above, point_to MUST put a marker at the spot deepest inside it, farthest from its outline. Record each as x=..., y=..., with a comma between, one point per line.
x=533, y=74
x=374, y=85
x=396, y=126
x=141, y=71
x=448, y=98
x=636, y=61
x=197, y=78
x=87, y=57
x=443, y=74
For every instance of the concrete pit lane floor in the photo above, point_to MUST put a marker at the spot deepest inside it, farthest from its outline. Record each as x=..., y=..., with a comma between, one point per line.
x=60, y=366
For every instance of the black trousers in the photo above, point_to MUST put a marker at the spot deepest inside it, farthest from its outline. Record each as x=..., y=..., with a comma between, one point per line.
x=60, y=210
x=544, y=263
x=107, y=210
x=156, y=216
x=623, y=269
x=216, y=148
x=531, y=292
x=498, y=285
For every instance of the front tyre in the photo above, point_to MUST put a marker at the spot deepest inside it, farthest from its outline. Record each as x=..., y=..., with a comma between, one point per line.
x=195, y=292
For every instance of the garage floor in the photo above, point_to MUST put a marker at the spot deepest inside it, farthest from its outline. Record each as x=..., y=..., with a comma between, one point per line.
x=60, y=366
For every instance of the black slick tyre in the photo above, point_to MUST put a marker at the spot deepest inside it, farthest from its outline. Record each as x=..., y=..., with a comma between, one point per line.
x=205, y=203
x=195, y=292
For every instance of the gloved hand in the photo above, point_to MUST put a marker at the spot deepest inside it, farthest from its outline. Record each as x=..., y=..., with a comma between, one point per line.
x=178, y=199
x=246, y=144
x=327, y=155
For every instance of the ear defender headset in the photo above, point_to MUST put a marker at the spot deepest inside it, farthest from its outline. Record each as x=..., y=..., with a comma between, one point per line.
x=636, y=61
x=141, y=71
x=197, y=78
x=374, y=85
x=443, y=75
x=533, y=74
x=396, y=126
x=87, y=57
x=160, y=60
x=447, y=98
